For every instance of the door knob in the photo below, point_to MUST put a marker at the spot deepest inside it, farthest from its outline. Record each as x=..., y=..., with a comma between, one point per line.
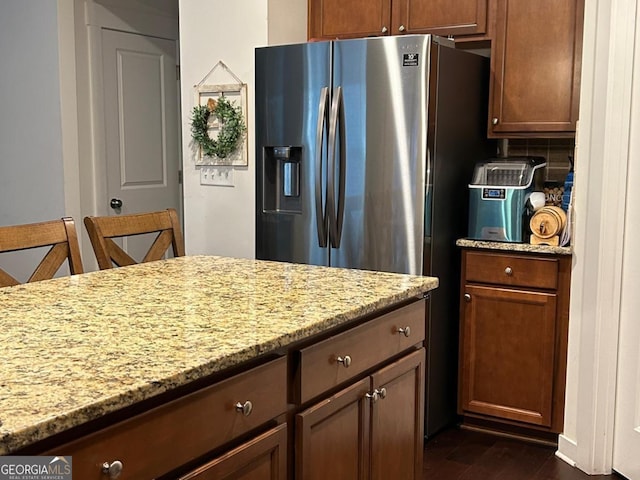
x=115, y=203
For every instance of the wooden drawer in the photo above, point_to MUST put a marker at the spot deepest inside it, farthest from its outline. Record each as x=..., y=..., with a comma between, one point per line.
x=365, y=346
x=511, y=270
x=263, y=457
x=162, y=439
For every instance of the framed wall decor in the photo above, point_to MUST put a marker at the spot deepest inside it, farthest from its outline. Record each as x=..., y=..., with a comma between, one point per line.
x=218, y=122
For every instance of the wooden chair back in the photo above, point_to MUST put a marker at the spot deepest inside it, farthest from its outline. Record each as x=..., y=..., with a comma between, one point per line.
x=102, y=231
x=60, y=235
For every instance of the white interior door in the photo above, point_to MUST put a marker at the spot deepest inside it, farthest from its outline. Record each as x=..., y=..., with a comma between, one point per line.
x=626, y=440
x=141, y=121
x=141, y=124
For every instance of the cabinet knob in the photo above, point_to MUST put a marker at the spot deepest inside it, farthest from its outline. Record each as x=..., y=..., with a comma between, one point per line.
x=113, y=469
x=494, y=121
x=406, y=331
x=377, y=394
x=401, y=28
x=467, y=297
x=374, y=396
x=245, y=408
x=346, y=361
x=384, y=30
x=508, y=271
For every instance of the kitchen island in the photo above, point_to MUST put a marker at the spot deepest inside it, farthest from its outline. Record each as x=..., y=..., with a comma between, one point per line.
x=83, y=348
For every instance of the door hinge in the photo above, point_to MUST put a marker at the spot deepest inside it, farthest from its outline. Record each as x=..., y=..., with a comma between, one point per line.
x=177, y=72
x=179, y=177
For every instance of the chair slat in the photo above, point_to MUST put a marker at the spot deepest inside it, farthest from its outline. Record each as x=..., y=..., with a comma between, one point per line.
x=117, y=255
x=159, y=246
x=7, y=280
x=51, y=263
x=21, y=237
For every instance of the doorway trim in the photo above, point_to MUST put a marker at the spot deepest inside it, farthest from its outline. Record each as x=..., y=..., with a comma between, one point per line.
x=90, y=18
x=601, y=181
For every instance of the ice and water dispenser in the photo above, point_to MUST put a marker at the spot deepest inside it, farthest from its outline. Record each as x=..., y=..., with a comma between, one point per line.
x=281, y=179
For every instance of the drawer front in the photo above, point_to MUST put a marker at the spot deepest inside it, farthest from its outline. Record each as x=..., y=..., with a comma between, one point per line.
x=512, y=270
x=261, y=458
x=162, y=439
x=335, y=360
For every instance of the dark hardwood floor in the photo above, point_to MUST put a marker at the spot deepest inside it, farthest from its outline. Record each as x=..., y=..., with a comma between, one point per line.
x=457, y=454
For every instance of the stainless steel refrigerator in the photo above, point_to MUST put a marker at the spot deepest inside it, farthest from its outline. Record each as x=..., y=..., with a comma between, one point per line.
x=364, y=150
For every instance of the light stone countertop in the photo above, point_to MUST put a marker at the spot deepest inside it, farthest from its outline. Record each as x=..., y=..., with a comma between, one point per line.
x=78, y=347
x=513, y=247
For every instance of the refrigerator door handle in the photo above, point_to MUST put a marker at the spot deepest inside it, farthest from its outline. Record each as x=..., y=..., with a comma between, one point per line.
x=342, y=169
x=321, y=217
x=336, y=125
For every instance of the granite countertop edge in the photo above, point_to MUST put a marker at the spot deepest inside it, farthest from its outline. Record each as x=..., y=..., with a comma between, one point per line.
x=514, y=247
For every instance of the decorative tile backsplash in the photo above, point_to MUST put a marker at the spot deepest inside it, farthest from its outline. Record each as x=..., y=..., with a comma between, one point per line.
x=555, y=150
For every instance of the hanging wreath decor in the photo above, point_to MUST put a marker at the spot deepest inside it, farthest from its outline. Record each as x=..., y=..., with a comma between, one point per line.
x=232, y=127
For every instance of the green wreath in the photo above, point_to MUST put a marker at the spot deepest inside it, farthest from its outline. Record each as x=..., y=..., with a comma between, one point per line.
x=232, y=127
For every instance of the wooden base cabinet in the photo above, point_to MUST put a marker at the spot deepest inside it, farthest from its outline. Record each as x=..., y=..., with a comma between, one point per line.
x=513, y=337
x=351, y=400
x=373, y=429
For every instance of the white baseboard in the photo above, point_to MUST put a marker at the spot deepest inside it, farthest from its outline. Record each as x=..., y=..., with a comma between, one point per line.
x=567, y=450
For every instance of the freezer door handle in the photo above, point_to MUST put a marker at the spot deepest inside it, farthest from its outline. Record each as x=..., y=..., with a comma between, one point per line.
x=321, y=217
x=339, y=163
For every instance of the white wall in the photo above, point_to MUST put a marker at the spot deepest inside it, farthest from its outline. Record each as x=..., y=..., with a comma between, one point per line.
x=220, y=220
x=31, y=168
x=31, y=161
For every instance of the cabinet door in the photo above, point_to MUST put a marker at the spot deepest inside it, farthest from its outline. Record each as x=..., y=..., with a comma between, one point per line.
x=535, y=68
x=508, y=348
x=330, y=19
x=263, y=458
x=397, y=419
x=440, y=17
x=332, y=437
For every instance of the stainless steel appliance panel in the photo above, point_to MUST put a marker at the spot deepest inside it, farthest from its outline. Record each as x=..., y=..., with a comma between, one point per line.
x=458, y=112
x=385, y=93
x=290, y=81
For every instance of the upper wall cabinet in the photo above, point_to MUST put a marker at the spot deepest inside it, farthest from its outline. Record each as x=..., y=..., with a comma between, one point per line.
x=535, y=68
x=441, y=17
x=463, y=19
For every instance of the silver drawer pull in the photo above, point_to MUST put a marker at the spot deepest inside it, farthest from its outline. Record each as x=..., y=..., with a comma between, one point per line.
x=245, y=408
x=346, y=361
x=382, y=392
x=508, y=271
x=113, y=469
x=406, y=331
x=373, y=396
